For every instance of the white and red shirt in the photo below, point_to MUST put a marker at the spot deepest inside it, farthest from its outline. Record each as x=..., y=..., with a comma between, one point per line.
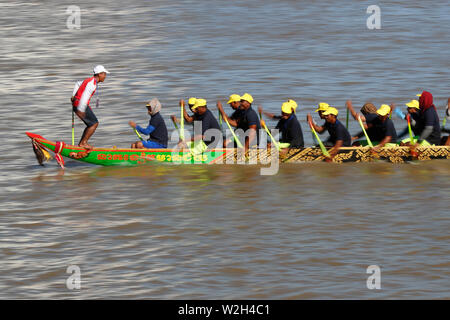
x=83, y=92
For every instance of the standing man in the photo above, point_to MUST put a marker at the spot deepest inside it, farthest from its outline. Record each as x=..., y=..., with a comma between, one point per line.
x=81, y=104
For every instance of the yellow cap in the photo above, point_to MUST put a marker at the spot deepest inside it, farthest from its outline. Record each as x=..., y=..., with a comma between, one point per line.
x=293, y=104
x=191, y=101
x=247, y=97
x=199, y=103
x=384, y=110
x=287, y=107
x=323, y=106
x=413, y=104
x=418, y=95
x=330, y=110
x=234, y=98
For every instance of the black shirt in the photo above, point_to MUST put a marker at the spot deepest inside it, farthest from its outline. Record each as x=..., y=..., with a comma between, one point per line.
x=383, y=129
x=418, y=127
x=373, y=132
x=208, y=121
x=160, y=134
x=291, y=132
x=430, y=118
x=337, y=132
x=236, y=114
x=249, y=118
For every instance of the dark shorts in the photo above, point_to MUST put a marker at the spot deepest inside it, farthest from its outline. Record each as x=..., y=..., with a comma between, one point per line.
x=89, y=119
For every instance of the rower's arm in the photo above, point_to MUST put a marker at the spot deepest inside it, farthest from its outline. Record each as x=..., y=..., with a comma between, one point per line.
x=147, y=130
x=351, y=109
x=187, y=117
x=319, y=129
x=269, y=115
x=224, y=115
x=355, y=115
x=174, y=119
x=197, y=137
x=386, y=139
x=334, y=151
x=314, y=125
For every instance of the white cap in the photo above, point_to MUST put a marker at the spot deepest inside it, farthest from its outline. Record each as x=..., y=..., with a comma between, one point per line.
x=99, y=69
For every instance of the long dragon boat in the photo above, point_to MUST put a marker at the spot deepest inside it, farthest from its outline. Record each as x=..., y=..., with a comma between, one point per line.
x=132, y=157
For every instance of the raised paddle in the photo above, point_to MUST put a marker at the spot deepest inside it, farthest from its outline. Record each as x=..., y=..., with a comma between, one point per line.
x=322, y=147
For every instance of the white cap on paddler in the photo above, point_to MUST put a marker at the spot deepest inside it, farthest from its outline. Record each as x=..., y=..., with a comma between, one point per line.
x=99, y=69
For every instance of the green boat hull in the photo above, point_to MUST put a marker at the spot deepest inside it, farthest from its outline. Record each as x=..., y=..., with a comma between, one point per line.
x=131, y=157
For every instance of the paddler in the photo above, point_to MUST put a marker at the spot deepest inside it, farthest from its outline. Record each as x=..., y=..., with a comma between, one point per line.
x=187, y=117
x=382, y=126
x=339, y=135
x=291, y=102
x=81, y=98
x=368, y=113
x=447, y=114
x=156, y=129
x=322, y=107
x=248, y=121
x=413, y=110
x=234, y=101
x=289, y=127
x=208, y=123
x=431, y=128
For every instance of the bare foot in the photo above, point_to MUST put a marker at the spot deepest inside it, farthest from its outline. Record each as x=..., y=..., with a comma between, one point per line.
x=86, y=146
x=79, y=155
